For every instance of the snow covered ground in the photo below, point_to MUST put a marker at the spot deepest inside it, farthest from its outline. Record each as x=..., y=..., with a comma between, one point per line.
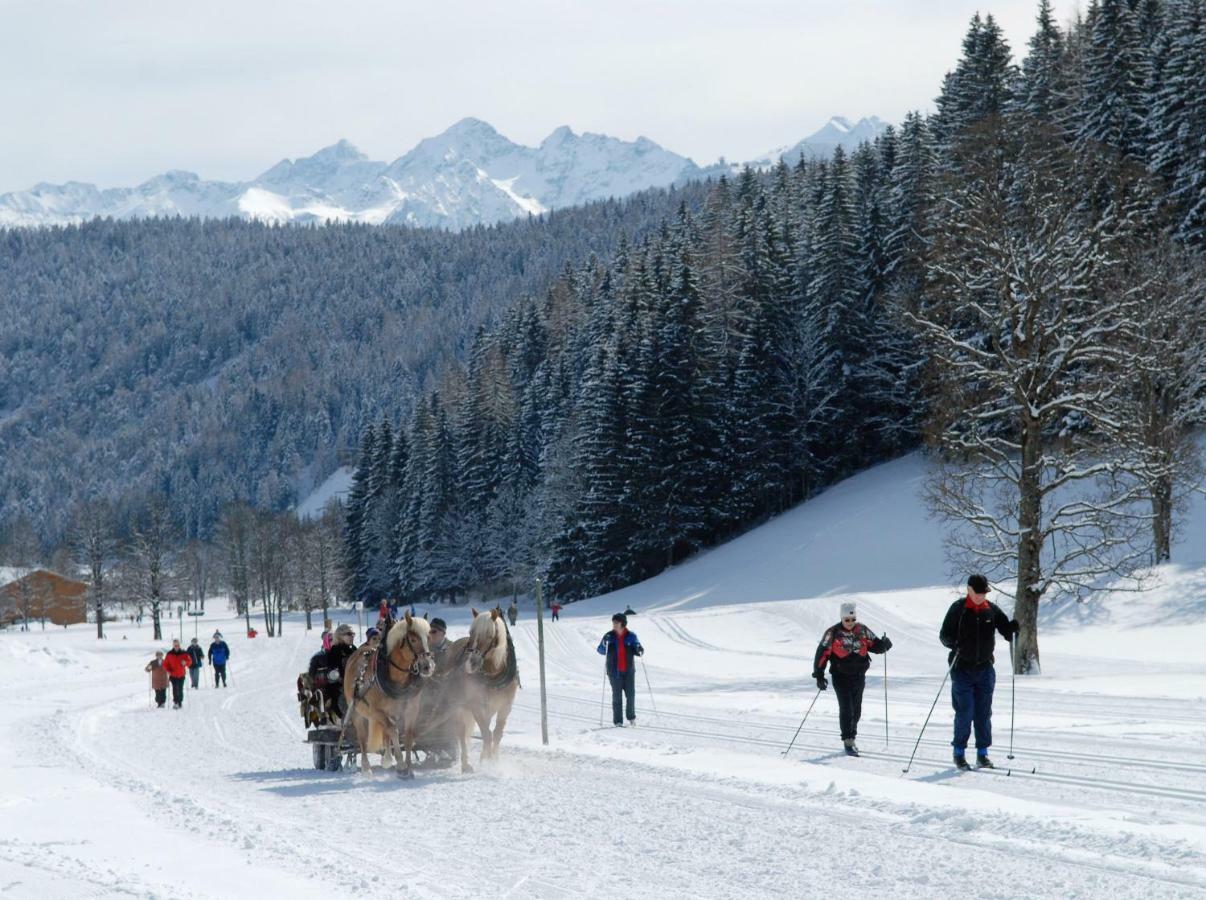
x=103, y=796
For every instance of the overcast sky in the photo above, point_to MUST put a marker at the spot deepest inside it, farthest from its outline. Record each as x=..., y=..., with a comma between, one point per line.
x=115, y=91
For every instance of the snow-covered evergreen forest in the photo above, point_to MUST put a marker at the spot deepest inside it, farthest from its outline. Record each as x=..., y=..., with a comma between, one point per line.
x=224, y=361
x=806, y=322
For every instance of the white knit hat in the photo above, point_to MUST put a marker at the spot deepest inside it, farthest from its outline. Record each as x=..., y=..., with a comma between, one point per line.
x=847, y=609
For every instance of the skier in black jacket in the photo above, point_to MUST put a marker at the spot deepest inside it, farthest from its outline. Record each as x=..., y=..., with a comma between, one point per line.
x=845, y=647
x=969, y=632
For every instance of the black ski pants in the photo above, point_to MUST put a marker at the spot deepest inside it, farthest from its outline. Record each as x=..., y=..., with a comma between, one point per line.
x=178, y=691
x=849, y=690
x=623, y=687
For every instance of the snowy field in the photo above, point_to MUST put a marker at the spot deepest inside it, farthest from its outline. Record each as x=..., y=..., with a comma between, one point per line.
x=102, y=795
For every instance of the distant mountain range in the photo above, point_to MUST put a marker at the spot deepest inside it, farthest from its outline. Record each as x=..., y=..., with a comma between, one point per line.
x=468, y=175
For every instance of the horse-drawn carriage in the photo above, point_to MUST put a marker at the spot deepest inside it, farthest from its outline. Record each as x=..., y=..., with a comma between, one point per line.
x=394, y=698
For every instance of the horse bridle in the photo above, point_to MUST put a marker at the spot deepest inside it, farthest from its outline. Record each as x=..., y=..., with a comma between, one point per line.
x=419, y=656
x=484, y=653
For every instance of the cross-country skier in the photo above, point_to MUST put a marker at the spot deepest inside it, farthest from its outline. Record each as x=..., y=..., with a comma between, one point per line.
x=512, y=613
x=621, y=646
x=845, y=647
x=197, y=657
x=176, y=663
x=969, y=632
x=218, y=655
x=556, y=608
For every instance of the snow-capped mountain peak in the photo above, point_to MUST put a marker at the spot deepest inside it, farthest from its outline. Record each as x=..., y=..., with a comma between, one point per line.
x=837, y=132
x=469, y=174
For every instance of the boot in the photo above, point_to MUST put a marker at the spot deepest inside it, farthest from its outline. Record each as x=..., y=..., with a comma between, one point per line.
x=983, y=762
x=851, y=749
x=961, y=762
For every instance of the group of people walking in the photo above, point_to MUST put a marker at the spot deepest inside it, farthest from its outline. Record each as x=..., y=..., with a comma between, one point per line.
x=968, y=631
x=171, y=668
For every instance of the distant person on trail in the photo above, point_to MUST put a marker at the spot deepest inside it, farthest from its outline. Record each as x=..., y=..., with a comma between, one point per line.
x=218, y=655
x=512, y=613
x=159, y=678
x=845, y=647
x=197, y=660
x=556, y=611
x=371, y=637
x=327, y=637
x=968, y=632
x=176, y=662
x=437, y=639
x=621, y=648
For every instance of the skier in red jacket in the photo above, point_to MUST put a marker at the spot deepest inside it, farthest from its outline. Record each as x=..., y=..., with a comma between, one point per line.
x=176, y=663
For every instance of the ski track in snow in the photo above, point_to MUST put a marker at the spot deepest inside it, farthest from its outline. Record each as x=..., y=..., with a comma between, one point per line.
x=694, y=802
x=103, y=796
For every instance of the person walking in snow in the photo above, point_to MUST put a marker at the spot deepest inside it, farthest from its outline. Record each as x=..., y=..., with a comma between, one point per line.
x=844, y=647
x=621, y=647
x=159, y=678
x=512, y=613
x=969, y=632
x=176, y=662
x=556, y=607
x=197, y=660
x=218, y=654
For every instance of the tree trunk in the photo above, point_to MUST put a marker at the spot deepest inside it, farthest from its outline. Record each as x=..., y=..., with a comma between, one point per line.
x=1030, y=545
x=247, y=614
x=1162, y=519
x=100, y=620
x=309, y=624
x=158, y=627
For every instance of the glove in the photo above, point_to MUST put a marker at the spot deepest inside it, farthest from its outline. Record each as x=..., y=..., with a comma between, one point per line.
x=640, y=651
x=1014, y=628
x=885, y=644
x=822, y=684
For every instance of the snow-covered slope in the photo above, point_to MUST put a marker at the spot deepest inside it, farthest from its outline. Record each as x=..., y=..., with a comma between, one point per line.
x=105, y=796
x=337, y=484
x=468, y=175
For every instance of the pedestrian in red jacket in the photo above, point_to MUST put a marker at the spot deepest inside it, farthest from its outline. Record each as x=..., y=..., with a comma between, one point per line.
x=176, y=663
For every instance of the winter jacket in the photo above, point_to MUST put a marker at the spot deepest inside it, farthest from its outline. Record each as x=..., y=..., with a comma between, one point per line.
x=177, y=662
x=197, y=655
x=968, y=632
x=218, y=653
x=609, y=645
x=159, y=675
x=333, y=660
x=846, y=650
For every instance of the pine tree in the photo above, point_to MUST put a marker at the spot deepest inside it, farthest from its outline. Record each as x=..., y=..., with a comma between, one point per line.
x=1116, y=73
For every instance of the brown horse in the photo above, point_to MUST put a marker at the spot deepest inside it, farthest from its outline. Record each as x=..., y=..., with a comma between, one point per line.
x=493, y=677
x=384, y=693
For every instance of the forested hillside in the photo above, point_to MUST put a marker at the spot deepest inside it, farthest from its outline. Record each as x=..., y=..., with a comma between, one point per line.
x=812, y=320
x=222, y=360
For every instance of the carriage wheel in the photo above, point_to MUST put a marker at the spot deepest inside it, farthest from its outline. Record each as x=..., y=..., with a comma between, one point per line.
x=334, y=760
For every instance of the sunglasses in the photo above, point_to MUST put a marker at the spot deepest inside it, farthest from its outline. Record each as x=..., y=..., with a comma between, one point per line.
x=849, y=619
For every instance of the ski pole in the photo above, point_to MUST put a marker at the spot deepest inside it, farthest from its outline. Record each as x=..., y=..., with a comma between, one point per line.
x=816, y=697
x=649, y=688
x=1013, y=693
x=886, y=738
x=602, y=695
x=925, y=724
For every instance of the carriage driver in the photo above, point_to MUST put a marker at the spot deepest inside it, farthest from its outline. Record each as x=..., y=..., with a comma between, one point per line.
x=437, y=639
